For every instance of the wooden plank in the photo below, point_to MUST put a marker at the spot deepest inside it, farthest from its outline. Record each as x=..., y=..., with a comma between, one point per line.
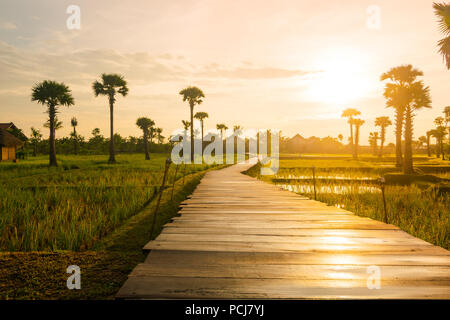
x=290, y=247
x=225, y=288
x=173, y=257
x=300, y=272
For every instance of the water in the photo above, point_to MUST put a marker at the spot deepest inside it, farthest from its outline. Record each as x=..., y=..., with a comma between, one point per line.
x=337, y=189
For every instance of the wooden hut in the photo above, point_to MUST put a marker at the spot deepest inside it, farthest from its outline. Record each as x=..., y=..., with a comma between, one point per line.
x=8, y=145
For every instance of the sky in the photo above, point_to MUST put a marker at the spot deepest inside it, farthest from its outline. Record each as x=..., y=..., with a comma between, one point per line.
x=289, y=65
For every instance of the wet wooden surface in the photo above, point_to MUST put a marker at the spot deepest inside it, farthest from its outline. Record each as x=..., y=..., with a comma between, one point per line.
x=238, y=237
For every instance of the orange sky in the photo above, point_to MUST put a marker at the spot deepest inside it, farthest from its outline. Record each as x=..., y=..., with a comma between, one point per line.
x=291, y=65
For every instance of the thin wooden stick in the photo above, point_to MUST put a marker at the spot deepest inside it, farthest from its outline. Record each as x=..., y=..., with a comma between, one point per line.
x=174, y=180
x=166, y=169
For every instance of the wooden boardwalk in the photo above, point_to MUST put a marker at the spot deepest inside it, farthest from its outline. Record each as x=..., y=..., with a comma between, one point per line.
x=240, y=238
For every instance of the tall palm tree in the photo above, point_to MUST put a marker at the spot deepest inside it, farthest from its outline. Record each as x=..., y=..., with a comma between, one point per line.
x=201, y=116
x=440, y=134
x=442, y=11
x=145, y=124
x=74, y=124
x=429, y=134
x=52, y=94
x=350, y=113
x=420, y=98
x=358, y=123
x=193, y=96
x=383, y=123
x=221, y=127
x=398, y=95
x=36, y=137
x=111, y=85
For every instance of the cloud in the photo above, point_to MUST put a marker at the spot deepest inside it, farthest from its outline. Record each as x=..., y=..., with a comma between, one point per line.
x=6, y=25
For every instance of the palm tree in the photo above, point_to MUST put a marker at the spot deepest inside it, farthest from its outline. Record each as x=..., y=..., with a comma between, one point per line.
x=193, y=96
x=358, y=123
x=52, y=94
x=383, y=123
x=420, y=98
x=159, y=135
x=186, y=124
x=398, y=96
x=145, y=124
x=447, y=121
x=110, y=85
x=373, y=141
x=74, y=123
x=429, y=134
x=221, y=127
x=36, y=137
x=442, y=11
x=201, y=116
x=440, y=134
x=350, y=113
x=422, y=141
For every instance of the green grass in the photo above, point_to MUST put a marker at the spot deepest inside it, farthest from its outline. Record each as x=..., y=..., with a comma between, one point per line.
x=81, y=201
x=104, y=268
x=419, y=209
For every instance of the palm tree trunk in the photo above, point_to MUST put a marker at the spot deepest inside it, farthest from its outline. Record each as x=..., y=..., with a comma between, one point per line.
x=112, y=158
x=428, y=146
x=383, y=137
x=35, y=149
x=192, y=132
x=408, y=164
x=355, y=154
x=75, y=144
x=147, y=155
x=442, y=148
x=52, y=153
x=398, y=138
x=352, y=145
x=201, y=122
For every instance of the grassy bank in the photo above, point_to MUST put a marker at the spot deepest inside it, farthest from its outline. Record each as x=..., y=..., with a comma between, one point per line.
x=419, y=209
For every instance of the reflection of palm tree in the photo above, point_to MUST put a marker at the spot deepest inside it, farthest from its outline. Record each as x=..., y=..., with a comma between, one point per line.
x=193, y=96
x=201, y=116
x=145, y=124
x=398, y=95
x=350, y=113
x=442, y=11
x=358, y=123
x=383, y=123
x=52, y=94
x=110, y=85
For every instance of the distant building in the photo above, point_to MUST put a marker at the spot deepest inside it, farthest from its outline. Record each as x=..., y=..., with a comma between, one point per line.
x=8, y=145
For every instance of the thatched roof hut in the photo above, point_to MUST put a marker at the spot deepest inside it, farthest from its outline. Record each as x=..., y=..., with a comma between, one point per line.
x=8, y=145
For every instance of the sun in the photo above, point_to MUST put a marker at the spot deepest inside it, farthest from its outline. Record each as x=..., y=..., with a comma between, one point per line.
x=343, y=78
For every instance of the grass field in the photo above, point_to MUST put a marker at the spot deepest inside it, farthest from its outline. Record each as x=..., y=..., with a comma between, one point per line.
x=86, y=213
x=76, y=204
x=420, y=209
